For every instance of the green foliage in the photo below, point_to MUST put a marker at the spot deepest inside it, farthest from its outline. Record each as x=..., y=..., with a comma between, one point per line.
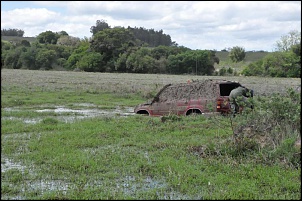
x=45, y=59
x=5, y=45
x=62, y=33
x=48, y=37
x=91, y=62
x=281, y=64
x=254, y=69
x=276, y=64
x=222, y=71
x=151, y=37
x=25, y=43
x=121, y=50
x=296, y=49
x=137, y=61
x=237, y=54
x=230, y=71
x=77, y=54
x=111, y=43
x=12, y=57
x=100, y=26
x=12, y=32
x=28, y=59
x=161, y=52
x=226, y=71
x=273, y=126
x=198, y=62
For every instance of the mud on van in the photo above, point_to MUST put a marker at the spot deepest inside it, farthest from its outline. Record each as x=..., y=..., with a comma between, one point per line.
x=196, y=97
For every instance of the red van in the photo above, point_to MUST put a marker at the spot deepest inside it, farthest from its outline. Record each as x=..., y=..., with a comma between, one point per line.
x=196, y=97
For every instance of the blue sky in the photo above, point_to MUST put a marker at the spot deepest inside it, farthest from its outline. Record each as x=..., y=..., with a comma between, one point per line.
x=214, y=25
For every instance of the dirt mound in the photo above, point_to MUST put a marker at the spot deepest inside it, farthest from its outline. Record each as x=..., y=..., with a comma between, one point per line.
x=190, y=90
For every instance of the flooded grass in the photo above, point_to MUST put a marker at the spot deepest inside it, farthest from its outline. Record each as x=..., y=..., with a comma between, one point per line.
x=132, y=159
x=66, y=141
x=62, y=113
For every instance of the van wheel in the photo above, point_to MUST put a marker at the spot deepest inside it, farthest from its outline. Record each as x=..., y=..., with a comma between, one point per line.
x=193, y=112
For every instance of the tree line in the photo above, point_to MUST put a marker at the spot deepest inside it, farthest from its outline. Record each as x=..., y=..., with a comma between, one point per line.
x=135, y=50
x=12, y=32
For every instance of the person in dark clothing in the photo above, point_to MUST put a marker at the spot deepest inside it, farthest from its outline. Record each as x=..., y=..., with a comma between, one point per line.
x=238, y=97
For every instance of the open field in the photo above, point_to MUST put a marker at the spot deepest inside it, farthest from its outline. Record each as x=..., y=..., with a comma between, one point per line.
x=128, y=83
x=59, y=140
x=18, y=39
x=225, y=61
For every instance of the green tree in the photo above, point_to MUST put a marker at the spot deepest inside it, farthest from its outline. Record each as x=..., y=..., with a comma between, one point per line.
x=281, y=64
x=77, y=54
x=199, y=62
x=12, y=57
x=12, y=32
x=237, y=54
x=100, y=26
x=254, y=69
x=137, y=61
x=111, y=43
x=222, y=71
x=5, y=45
x=25, y=43
x=122, y=64
x=160, y=51
x=28, y=59
x=45, y=59
x=91, y=62
x=230, y=71
x=48, y=37
x=62, y=33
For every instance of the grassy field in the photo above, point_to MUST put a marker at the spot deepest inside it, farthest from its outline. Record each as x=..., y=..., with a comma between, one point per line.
x=129, y=157
x=18, y=39
x=226, y=62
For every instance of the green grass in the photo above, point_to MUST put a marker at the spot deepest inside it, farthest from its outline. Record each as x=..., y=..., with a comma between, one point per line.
x=109, y=150
x=23, y=97
x=134, y=157
x=225, y=61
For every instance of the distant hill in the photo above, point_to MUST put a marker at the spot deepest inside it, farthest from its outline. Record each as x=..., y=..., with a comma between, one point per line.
x=249, y=56
x=17, y=38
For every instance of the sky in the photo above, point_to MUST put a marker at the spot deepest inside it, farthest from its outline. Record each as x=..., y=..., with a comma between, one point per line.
x=202, y=25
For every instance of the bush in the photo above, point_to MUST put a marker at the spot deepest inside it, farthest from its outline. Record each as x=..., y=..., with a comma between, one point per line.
x=273, y=127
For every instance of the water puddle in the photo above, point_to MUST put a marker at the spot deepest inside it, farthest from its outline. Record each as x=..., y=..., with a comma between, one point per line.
x=131, y=186
x=69, y=115
x=7, y=164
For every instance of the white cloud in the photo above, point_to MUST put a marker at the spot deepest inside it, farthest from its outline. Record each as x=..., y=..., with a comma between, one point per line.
x=255, y=25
